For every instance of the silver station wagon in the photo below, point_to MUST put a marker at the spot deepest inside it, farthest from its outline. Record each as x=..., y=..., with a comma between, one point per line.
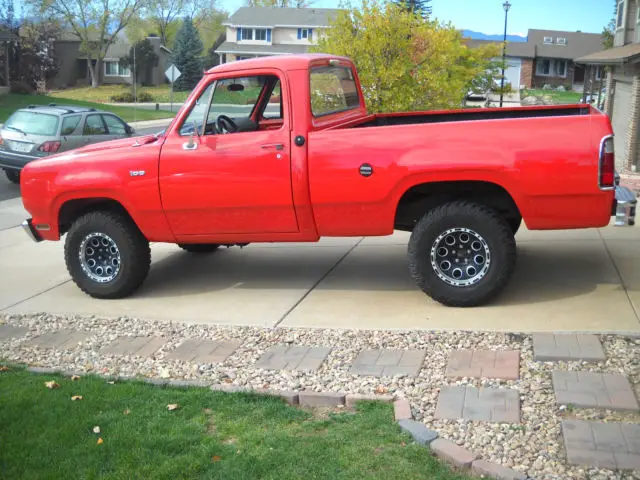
x=40, y=130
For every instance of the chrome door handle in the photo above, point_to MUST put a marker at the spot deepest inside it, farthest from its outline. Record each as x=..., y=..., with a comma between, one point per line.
x=277, y=146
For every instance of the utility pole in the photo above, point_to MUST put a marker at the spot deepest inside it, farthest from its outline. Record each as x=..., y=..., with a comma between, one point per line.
x=506, y=5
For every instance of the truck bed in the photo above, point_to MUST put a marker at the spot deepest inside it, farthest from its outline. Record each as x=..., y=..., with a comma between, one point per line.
x=412, y=118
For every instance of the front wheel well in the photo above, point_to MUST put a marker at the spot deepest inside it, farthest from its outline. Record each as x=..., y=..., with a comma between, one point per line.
x=74, y=209
x=421, y=198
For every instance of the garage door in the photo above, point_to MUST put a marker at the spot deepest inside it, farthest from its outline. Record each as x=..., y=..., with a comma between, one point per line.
x=512, y=73
x=620, y=120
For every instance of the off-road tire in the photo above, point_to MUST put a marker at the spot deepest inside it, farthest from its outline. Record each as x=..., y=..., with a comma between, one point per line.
x=493, y=228
x=515, y=224
x=13, y=176
x=135, y=254
x=199, y=247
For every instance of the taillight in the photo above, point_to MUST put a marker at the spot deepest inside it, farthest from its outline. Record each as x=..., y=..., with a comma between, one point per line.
x=1, y=141
x=49, y=147
x=606, y=165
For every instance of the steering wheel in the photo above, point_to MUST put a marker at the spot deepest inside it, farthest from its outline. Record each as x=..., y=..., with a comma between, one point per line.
x=226, y=123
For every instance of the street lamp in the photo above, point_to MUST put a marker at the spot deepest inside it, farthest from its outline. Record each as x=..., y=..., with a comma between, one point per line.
x=506, y=5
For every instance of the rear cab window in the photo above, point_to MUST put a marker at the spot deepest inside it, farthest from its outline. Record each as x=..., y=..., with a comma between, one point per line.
x=333, y=90
x=33, y=123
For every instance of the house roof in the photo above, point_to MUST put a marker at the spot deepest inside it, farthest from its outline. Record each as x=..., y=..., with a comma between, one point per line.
x=281, y=17
x=626, y=54
x=514, y=49
x=277, y=49
x=578, y=44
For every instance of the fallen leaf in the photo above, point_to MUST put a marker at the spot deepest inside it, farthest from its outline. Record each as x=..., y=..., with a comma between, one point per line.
x=127, y=411
x=96, y=429
x=215, y=459
x=227, y=380
x=75, y=377
x=76, y=397
x=381, y=390
x=111, y=382
x=207, y=411
x=4, y=369
x=52, y=384
x=172, y=406
x=100, y=441
x=403, y=444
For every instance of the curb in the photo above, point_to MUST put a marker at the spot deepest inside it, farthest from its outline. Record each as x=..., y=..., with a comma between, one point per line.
x=162, y=122
x=446, y=450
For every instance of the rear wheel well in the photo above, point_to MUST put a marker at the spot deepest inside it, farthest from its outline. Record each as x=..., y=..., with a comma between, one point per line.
x=74, y=209
x=421, y=198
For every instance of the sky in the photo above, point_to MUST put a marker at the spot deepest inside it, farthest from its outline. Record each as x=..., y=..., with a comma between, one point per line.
x=487, y=16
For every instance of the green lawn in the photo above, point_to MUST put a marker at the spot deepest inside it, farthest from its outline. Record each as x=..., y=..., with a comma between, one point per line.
x=103, y=93
x=44, y=434
x=11, y=102
x=558, y=97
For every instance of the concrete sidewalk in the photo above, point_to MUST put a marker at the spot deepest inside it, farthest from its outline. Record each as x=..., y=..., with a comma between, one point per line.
x=584, y=280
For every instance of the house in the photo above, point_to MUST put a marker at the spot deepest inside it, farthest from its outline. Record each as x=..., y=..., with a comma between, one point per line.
x=74, y=70
x=622, y=94
x=548, y=58
x=262, y=31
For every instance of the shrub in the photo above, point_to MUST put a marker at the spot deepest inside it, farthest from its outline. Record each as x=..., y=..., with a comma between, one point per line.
x=127, y=97
x=21, y=87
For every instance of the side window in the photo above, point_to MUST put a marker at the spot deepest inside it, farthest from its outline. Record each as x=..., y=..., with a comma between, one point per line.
x=273, y=111
x=69, y=124
x=197, y=113
x=114, y=125
x=93, y=125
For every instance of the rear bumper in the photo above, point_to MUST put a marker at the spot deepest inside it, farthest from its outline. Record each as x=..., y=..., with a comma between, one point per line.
x=15, y=161
x=31, y=231
x=624, y=207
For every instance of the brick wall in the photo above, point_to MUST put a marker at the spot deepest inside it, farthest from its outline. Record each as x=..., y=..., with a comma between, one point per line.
x=526, y=72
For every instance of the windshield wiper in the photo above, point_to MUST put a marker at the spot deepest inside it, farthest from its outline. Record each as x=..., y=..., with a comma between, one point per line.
x=16, y=129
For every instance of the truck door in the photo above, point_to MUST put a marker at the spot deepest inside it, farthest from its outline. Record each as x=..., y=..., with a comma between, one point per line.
x=221, y=170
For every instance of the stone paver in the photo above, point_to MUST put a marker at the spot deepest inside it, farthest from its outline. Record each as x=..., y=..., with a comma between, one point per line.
x=565, y=346
x=59, y=340
x=493, y=470
x=321, y=399
x=485, y=404
x=203, y=351
x=140, y=346
x=586, y=389
x=402, y=409
x=284, y=357
x=484, y=363
x=449, y=451
x=387, y=363
x=603, y=445
x=9, y=331
x=420, y=433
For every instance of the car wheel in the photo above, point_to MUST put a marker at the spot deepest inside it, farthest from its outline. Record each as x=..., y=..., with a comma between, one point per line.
x=462, y=254
x=106, y=255
x=13, y=176
x=515, y=224
x=199, y=247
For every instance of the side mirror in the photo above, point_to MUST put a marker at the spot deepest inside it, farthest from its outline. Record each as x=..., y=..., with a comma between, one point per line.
x=192, y=144
x=129, y=129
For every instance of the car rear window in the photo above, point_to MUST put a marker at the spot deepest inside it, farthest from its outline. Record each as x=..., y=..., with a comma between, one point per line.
x=34, y=123
x=333, y=90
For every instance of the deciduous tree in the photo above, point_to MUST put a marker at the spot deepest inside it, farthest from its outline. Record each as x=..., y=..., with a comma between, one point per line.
x=96, y=23
x=404, y=61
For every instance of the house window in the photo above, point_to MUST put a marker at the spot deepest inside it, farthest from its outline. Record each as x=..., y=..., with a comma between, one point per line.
x=620, y=13
x=113, y=68
x=543, y=67
x=561, y=41
x=305, y=34
x=600, y=73
x=247, y=34
x=261, y=34
x=546, y=67
x=548, y=40
x=561, y=68
x=254, y=34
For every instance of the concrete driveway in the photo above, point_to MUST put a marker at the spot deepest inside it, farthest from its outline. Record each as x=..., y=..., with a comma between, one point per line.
x=584, y=280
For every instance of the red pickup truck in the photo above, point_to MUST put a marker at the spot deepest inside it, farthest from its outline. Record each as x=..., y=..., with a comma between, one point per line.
x=282, y=149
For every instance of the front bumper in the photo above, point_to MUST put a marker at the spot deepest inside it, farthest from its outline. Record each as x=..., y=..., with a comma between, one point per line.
x=31, y=231
x=624, y=207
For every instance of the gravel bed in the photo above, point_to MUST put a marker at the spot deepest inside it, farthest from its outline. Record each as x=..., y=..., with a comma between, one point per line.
x=534, y=446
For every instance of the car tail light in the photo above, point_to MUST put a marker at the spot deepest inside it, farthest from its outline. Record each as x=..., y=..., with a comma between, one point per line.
x=606, y=164
x=1, y=141
x=49, y=147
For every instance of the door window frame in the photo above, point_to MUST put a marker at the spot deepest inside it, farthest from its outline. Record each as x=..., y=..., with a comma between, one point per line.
x=109, y=132
x=104, y=125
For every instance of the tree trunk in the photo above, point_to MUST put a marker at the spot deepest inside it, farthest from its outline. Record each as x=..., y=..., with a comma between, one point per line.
x=92, y=72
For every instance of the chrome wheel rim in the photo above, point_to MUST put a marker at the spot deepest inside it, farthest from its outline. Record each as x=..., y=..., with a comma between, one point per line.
x=99, y=257
x=460, y=257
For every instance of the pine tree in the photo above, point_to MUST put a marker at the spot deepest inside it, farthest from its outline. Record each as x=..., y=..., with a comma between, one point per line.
x=187, y=51
x=418, y=6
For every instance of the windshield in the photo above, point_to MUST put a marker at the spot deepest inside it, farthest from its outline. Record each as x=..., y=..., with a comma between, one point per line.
x=34, y=123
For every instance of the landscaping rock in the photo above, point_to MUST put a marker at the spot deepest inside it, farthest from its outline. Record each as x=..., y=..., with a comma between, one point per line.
x=530, y=100
x=548, y=100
